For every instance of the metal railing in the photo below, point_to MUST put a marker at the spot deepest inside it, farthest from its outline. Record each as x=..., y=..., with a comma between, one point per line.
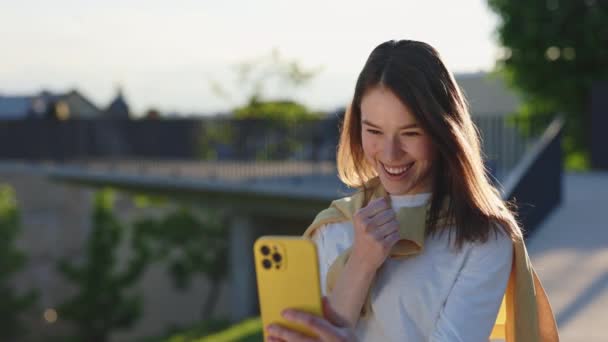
x=220, y=147
x=535, y=184
x=505, y=140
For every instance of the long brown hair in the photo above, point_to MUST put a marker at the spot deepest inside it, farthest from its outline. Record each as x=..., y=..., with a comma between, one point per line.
x=415, y=73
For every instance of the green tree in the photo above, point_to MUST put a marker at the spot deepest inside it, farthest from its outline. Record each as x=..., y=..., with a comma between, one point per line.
x=12, y=305
x=276, y=124
x=274, y=116
x=191, y=242
x=280, y=111
x=256, y=76
x=554, y=52
x=101, y=304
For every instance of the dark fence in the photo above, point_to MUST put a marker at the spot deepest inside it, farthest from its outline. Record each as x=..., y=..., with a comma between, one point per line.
x=77, y=139
x=535, y=184
x=506, y=139
x=599, y=123
x=204, y=139
x=211, y=139
x=528, y=164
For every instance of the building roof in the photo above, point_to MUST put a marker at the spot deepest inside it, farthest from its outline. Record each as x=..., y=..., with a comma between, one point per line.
x=118, y=108
x=487, y=94
x=41, y=105
x=14, y=107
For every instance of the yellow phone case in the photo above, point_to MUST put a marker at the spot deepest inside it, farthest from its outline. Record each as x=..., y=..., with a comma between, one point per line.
x=287, y=274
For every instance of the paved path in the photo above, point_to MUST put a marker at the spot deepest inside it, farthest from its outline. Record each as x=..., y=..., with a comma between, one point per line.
x=570, y=254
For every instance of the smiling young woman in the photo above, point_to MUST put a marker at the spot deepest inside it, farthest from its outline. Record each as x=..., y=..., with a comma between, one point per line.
x=426, y=250
x=399, y=150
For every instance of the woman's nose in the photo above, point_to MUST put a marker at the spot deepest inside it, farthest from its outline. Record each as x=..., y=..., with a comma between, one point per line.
x=393, y=150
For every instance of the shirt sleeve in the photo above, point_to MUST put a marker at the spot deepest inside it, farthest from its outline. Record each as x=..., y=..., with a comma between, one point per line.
x=323, y=256
x=471, y=307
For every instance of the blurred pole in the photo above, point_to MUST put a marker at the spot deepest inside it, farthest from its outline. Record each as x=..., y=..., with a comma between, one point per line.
x=599, y=124
x=242, y=275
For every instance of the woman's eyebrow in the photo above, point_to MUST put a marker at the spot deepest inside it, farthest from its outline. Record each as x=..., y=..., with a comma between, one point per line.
x=367, y=122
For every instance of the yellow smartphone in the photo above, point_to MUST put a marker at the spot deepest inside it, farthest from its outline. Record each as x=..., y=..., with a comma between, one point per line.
x=287, y=273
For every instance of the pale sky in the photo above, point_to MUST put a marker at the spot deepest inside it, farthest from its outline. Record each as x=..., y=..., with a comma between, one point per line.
x=164, y=53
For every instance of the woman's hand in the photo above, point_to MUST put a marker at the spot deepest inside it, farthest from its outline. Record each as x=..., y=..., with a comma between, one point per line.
x=332, y=328
x=376, y=231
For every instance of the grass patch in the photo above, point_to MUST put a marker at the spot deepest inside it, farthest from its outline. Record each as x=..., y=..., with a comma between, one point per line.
x=249, y=330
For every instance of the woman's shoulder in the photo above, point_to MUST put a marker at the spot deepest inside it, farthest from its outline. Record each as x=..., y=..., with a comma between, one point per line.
x=498, y=243
x=499, y=233
x=497, y=246
x=340, y=211
x=333, y=231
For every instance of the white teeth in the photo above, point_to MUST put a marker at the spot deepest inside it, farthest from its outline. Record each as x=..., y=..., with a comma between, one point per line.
x=396, y=171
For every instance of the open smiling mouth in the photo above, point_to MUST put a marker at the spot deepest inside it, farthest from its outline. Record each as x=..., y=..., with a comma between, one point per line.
x=397, y=171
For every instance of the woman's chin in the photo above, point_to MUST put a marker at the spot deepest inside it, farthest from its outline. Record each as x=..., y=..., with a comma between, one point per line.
x=395, y=189
x=402, y=188
x=398, y=192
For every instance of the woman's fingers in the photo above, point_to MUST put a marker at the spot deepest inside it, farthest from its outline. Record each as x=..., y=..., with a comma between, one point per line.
x=391, y=239
x=274, y=339
x=381, y=232
x=330, y=328
x=374, y=207
x=372, y=225
x=382, y=218
x=326, y=330
x=279, y=333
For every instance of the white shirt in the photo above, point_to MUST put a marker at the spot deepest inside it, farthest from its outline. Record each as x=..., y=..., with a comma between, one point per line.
x=440, y=294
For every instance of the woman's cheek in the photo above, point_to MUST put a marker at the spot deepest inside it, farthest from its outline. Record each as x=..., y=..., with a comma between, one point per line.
x=425, y=149
x=368, y=147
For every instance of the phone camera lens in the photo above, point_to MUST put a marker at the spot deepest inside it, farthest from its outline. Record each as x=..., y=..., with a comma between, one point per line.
x=267, y=264
x=276, y=257
x=265, y=250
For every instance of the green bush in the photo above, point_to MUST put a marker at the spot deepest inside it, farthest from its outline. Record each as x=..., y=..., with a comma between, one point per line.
x=101, y=304
x=249, y=330
x=191, y=243
x=12, y=305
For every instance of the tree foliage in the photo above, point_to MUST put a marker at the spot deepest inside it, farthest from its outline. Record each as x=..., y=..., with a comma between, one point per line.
x=12, y=260
x=278, y=111
x=191, y=242
x=261, y=81
x=265, y=84
x=254, y=78
x=555, y=50
x=103, y=302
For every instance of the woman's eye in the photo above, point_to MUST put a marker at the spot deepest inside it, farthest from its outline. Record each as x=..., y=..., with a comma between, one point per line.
x=411, y=134
x=373, y=131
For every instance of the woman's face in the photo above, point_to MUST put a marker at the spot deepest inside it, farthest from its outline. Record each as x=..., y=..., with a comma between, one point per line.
x=393, y=143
